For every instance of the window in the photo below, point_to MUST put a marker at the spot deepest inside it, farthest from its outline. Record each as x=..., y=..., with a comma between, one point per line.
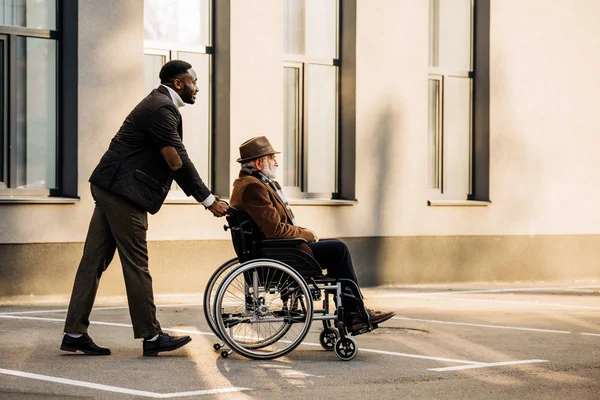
x=458, y=133
x=450, y=97
x=309, y=166
x=29, y=100
x=181, y=30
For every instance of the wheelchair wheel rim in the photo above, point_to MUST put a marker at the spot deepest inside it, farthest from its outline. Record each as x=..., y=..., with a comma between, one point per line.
x=209, y=293
x=265, y=316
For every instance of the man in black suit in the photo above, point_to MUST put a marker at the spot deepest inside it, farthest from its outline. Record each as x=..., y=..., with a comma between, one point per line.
x=133, y=179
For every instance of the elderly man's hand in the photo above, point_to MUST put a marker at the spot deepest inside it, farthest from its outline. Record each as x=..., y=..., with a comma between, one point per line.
x=314, y=234
x=219, y=208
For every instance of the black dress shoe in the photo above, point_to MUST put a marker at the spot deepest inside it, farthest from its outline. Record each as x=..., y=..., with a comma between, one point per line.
x=85, y=344
x=164, y=342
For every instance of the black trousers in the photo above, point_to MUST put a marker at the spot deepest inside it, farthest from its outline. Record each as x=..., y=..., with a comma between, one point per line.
x=116, y=224
x=333, y=254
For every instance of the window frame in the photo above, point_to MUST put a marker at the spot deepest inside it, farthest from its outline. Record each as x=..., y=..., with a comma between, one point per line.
x=478, y=154
x=65, y=35
x=4, y=110
x=291, y=60
x=441, y=74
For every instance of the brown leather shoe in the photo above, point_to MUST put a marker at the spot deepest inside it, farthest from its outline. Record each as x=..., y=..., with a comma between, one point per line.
x=375, y=317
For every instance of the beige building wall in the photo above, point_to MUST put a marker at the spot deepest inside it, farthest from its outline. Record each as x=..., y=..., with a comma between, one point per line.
x=543, y=221
x=543, y=130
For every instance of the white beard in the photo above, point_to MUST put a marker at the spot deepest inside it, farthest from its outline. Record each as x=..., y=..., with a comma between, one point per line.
x=270, y=173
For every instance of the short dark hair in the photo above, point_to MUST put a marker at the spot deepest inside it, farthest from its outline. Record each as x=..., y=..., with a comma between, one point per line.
x=171, y=70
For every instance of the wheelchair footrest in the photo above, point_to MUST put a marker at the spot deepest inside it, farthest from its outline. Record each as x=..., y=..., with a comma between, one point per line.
x=366, y=329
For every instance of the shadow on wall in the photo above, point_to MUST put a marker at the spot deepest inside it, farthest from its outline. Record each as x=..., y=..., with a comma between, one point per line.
x=368, y=253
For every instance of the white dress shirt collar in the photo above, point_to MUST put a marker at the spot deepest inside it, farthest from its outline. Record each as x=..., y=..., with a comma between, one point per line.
x=175, y=97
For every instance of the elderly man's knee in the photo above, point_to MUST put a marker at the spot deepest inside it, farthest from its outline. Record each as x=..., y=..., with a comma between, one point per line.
x=342, y=247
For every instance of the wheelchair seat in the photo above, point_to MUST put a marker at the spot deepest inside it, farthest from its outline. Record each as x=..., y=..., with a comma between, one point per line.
x=249, y=243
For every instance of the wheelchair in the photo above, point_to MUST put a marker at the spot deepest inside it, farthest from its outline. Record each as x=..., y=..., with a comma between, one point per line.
x=261, y=304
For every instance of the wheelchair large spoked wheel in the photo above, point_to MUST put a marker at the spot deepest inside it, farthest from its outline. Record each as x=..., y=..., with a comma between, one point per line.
x=263, y=309
x=209, y=300
x=211, y=290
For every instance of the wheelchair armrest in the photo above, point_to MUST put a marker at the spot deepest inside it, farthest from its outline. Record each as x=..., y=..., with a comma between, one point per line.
x=282, y=242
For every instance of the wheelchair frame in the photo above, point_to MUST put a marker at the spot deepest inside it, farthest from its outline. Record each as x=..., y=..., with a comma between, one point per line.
x=285, y=307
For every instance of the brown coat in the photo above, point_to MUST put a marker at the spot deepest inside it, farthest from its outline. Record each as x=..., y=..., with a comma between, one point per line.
x=266, y=208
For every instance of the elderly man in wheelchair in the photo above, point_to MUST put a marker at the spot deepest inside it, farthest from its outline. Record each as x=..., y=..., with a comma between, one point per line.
x=263, y=307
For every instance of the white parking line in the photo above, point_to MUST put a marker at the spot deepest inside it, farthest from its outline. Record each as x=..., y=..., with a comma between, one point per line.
x=64, y=310
x=407, y=355
x=531, y=304
x=485, y=365
x=590, y=334
x=33, y=318
x=482, y=325
x=117, y=389
x=505, y=290
x=102, y=323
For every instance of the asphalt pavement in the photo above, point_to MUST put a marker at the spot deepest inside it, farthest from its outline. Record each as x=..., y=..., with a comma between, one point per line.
x=528, y=340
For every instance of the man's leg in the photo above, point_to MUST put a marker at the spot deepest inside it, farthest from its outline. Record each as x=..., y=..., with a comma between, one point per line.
x=334, y=255
x=129, y=225
x=98, y=252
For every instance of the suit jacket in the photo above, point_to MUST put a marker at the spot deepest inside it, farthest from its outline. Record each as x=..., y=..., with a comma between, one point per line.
x=267, y=209
x=133, y=166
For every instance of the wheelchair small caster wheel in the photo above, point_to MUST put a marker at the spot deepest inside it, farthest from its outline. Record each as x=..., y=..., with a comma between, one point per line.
x=217, y=346
x=224, y=354
x=346, y=348
x=327, y=338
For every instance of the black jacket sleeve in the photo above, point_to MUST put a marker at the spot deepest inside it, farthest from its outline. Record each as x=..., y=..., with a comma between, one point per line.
x=163, y=129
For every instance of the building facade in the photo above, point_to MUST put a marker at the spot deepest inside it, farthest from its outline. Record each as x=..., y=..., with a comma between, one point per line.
x=443, y=140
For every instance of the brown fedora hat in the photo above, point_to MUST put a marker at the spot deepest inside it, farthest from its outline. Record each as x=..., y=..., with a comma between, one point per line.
x=255, y=148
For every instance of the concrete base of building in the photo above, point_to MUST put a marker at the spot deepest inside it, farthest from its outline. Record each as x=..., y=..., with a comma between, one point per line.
x=185, y=266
